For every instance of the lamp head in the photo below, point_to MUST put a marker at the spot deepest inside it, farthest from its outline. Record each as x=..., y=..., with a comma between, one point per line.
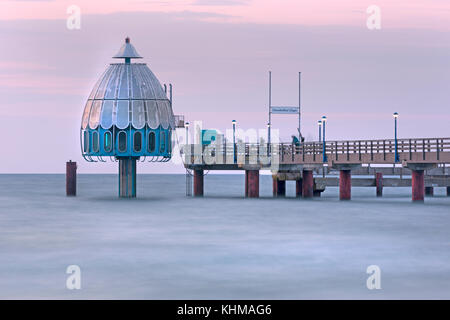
x=186, y=124
x=395, y=114
x=324, y=118
x=233, y=121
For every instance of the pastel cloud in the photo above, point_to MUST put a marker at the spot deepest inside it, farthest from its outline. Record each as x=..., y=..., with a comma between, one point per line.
x=219, y=70
x=395, y=14
x=221, y=2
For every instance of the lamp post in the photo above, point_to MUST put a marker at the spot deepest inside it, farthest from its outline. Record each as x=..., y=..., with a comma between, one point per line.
x=397, y=159
x=319, y=123
x=234, y=140
x=324, y=120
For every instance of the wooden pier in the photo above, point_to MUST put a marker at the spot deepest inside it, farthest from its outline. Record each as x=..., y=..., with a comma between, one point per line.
x=314, y=166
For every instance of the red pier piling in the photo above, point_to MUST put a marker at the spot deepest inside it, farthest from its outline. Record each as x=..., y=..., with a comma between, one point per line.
x=198, y=183
x=274, y=186
x=418, y=186
x=379, y=183
x=308, y=184
x=279, y=187
x=252, y=183
x=71, y=178
x=298, y=188
x=345, y=185
x=246, y=183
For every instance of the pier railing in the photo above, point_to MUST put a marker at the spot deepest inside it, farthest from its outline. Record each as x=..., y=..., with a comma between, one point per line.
x=429, y=150
x=417, y=150
x=368, y=151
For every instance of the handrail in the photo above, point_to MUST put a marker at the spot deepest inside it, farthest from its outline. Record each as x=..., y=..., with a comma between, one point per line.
x=287, y=151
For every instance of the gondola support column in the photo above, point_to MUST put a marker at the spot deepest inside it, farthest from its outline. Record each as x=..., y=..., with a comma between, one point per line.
x=127, y=177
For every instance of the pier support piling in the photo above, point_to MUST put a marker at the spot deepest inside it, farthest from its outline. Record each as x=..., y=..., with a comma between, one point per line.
x=279, y=187
x=379, y=183
x=274, y=186
x=298, y=188
x=252, y=183
x=418, y=188
x=417, y=179
x=448, y=191
x=198, y=183
x=345, y=184
x=127, y=177
x=246, y=183
x=71, y=178
x=307, y=184
x=345, y=179
x=429, y=191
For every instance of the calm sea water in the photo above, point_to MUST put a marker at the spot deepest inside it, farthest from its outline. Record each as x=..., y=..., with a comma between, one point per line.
x=164, y=245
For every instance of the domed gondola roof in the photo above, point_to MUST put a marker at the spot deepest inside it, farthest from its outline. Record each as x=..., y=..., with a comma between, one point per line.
x=127, y=51
x=128, y=93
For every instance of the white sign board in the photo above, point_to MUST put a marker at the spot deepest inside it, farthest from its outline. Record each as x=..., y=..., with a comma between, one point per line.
x=284, y=110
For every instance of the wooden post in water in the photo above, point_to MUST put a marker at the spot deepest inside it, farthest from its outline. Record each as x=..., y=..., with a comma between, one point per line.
x=71, y=178
x=345, y=184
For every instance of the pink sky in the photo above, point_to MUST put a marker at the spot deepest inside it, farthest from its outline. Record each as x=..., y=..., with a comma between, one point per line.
x=217, y=56
x=395, y=13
